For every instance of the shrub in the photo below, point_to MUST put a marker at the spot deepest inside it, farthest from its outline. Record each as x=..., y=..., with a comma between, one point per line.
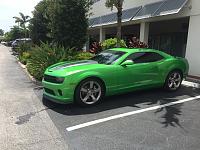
x=24, y=47
x=24, y=57
x=83, y=56
x=136, y=43
x=95, y=48
x=45, y=55
x=111, y=43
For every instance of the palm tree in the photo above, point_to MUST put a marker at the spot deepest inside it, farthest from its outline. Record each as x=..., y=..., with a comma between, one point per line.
x=118, y=5
x=1, y=32
x=22, y=21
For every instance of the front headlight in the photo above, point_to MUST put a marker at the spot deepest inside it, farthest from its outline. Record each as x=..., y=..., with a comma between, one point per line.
x=60, y=79
x=53, y=79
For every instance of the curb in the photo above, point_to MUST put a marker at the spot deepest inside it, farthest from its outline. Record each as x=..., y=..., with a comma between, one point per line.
x=36, y=82
x=39, y=83
x=193, y=80
x=191, y=84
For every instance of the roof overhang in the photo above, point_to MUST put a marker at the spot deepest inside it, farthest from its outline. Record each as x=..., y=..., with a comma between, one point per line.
x=160, y=8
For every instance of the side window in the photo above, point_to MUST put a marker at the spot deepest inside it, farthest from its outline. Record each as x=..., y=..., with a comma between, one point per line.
x=144, y=57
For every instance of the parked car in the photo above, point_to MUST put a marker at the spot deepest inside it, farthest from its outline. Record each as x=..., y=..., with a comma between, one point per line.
x=17, y=42
x=3, y=43
x=9, y=43
x=111, y=72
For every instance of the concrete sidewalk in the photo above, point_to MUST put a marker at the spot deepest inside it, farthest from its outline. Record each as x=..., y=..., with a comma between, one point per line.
x=24, y=122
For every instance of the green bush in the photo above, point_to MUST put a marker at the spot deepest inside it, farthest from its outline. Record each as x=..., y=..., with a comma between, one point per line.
x=83, y=56
x=24, y=47
x=45, y=55
x=24, y=57
x=23, y=52
x=111, y=43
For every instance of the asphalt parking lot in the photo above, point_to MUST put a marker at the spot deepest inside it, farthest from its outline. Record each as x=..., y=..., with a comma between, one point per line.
x=143, y=120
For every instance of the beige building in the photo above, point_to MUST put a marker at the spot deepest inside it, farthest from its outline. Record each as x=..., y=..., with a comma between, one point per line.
x=172, y=26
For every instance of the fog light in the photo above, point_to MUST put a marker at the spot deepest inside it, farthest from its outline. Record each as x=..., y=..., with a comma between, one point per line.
x=60, y=92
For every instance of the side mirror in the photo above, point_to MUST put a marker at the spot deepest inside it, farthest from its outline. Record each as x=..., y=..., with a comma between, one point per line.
x=127, y=63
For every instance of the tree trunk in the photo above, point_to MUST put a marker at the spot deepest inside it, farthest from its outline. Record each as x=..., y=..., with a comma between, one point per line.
x=25, y=32
x=119, y=25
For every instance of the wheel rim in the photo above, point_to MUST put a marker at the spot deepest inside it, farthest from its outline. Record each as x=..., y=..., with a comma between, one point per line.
x=90, y=92
x=174, y=81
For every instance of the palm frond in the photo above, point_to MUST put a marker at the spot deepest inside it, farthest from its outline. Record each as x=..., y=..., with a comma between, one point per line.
x=22, y=16
x=22, y=20
x=114, y=3
x=27, y=17
x=17, y=19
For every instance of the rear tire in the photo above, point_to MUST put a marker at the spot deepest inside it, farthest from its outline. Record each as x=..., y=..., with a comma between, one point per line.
x=89, y=92
x=173, y=80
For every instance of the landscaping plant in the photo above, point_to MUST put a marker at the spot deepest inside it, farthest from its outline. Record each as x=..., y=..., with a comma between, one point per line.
x=45, y=55
x=24, y=57
x=111, y=43
x=24, y=47
x=95, y=48
x=84, y=56
x=136, y=43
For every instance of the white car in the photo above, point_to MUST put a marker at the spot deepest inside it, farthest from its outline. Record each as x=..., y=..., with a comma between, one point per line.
x=4, y=43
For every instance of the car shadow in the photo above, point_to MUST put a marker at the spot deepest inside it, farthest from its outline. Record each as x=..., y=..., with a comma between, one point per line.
x=138, y=99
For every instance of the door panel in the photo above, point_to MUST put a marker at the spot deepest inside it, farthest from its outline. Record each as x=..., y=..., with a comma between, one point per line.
x=137, y=75
x=145, y=70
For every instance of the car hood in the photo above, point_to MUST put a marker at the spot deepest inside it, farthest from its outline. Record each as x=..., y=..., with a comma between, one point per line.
x=67, y=68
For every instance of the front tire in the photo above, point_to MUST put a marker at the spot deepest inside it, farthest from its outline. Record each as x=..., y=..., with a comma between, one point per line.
x=173, y=80
x=89, y=92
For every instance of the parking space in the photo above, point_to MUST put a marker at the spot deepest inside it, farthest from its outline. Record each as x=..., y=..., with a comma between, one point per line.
x=152, y=119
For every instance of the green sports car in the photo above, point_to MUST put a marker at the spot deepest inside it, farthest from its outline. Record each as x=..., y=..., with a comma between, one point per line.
x=111, y=72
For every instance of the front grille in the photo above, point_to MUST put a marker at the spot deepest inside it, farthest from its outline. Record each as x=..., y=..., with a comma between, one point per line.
x=49, y=91
x=51, y=79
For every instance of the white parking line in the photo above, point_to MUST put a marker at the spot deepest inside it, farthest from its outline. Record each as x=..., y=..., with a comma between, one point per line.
x=129, y=114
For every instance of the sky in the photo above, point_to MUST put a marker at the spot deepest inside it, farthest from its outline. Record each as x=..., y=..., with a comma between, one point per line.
x=11, y=8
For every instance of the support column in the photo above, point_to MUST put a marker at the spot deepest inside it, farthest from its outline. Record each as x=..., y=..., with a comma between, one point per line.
x=88, y=44
x=144, y=32
x=102, y=34
x=86, y=47
x=193, y=47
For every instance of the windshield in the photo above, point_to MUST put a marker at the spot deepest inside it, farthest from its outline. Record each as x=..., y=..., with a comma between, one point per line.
x=108, y=57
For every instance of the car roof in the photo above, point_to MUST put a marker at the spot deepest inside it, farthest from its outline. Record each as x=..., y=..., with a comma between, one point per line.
x=134, y=50
x=131, y=50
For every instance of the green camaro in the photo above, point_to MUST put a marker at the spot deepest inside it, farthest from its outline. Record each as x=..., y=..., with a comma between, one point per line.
x=111, y=72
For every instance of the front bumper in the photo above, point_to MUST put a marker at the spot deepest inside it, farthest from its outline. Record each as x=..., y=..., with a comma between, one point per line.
x=55, y=100
x=59, y=93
